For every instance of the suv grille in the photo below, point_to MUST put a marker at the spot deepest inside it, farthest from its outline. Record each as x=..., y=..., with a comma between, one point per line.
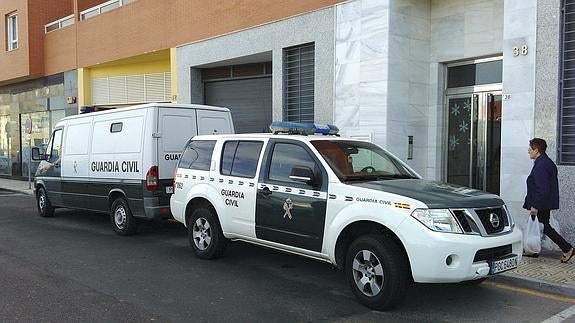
x=493, y=220
x=483, y=221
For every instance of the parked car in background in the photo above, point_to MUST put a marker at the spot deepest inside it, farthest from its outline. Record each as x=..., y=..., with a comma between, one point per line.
x=4, y=162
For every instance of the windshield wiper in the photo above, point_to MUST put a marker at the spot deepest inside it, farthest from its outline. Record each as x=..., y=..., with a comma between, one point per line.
x=352, y=178
x=398, y=176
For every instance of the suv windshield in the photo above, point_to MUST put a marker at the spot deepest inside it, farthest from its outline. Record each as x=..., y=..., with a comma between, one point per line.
x=361, y=161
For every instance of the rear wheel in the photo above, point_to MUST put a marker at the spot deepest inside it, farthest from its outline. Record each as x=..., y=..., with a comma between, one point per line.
x=121, y=217
x=205, y=234
x=377, y=271
x=45, y=208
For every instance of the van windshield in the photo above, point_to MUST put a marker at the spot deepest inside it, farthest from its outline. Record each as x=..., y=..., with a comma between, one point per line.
x=361, y=161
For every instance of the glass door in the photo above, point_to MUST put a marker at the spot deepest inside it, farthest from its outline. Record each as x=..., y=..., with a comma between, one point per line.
x=474, y=140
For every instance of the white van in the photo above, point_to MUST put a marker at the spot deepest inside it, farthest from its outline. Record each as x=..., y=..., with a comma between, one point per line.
x=121, y=161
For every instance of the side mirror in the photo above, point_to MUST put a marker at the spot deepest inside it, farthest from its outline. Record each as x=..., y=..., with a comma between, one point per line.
x=303, y=174
x=36, y=155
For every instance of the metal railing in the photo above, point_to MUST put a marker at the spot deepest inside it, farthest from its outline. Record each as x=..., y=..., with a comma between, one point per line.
x=60, y=23
x=104, y=7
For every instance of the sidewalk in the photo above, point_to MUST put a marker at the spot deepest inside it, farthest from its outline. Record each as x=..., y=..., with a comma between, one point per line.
x=545, y=273
x=16, y=185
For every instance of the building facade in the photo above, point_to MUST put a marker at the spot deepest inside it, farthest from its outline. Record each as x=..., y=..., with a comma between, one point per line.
x=454, y=88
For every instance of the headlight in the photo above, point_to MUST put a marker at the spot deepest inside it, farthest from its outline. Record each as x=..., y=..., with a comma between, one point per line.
x=440, y=220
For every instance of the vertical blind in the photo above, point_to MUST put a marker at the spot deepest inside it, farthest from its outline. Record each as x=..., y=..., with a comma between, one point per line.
x=567, y=84
x=298, y=83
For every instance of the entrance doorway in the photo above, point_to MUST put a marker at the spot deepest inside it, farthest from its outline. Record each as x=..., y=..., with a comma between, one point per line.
x=473, y=109
x=474, y=140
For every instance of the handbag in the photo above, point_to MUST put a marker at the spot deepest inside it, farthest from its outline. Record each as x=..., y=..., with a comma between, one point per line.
x=532, y=237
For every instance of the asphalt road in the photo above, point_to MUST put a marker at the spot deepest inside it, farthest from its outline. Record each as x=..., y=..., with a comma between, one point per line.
x=74, y=268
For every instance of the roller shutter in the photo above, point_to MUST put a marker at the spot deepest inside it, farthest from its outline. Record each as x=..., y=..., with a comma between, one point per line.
x=250, y=101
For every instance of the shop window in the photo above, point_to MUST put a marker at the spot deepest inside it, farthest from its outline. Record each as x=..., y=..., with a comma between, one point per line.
x=12, y=31
x=566, y=144
x=298, y=83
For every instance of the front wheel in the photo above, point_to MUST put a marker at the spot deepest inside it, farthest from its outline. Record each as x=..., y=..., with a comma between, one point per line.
x=121, y=217
x=45, y=208
x=377, y=271
x=205, y=234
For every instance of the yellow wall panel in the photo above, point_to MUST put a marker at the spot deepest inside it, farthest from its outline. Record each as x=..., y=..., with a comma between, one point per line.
x=131, y=69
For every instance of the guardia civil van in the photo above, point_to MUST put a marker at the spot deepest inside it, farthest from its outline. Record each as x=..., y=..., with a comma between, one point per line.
x=120, y=161
x=346, y=202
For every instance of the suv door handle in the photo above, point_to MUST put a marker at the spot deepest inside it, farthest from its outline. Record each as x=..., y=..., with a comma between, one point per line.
x=265, y=191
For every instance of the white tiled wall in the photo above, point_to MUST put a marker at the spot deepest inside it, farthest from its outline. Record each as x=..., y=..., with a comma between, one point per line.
x=518, y=111
x=399, y=83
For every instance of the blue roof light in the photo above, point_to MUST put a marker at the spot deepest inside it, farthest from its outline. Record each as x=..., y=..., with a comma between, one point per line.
x=303, y=128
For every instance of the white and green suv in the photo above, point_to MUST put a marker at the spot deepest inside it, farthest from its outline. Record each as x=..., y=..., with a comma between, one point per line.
x=346, y=202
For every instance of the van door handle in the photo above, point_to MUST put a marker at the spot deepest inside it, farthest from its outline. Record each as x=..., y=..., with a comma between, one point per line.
x=57, y=165
x=265, y=191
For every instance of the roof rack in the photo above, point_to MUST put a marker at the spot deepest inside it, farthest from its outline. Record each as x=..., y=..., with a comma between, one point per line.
x=303, y=128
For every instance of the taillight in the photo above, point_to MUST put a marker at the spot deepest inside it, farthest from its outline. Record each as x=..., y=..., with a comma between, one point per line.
x=152, y=181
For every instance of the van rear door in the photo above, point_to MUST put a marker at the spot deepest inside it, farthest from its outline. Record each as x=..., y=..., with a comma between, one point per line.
x=176, y=126
x=212, y=122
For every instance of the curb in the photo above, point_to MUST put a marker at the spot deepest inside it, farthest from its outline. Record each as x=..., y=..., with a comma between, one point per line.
x=536, y=284
x=27, y=191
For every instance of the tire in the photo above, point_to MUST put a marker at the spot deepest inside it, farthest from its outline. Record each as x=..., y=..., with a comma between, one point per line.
x=205, y=234
x=45, y=208
x=121, y=217
x=377, y=272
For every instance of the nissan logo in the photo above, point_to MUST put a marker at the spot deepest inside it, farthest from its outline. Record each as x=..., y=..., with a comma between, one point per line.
x=494, y=219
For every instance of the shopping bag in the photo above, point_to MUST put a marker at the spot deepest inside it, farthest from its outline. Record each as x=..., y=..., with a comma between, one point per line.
x=532, y=237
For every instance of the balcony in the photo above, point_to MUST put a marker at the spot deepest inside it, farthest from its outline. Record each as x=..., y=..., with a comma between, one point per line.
x=60, y=23
x=102, y=8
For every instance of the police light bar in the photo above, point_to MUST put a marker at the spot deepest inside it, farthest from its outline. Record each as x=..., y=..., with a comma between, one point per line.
x=303, y=128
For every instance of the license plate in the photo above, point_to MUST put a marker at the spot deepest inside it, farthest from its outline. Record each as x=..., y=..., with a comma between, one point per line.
x=169, y=189
x=502, y=265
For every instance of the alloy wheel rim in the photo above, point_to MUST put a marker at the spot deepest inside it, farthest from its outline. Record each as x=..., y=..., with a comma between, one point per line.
x=368, y=273
x=202, y=234
x=120, y=217
x=42, y=201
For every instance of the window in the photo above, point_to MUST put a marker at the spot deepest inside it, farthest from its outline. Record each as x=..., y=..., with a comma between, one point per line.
x=488, y=72
x=359, y=160
x=54, y=146
x=197, y=155
x=298, y=83
x=116, y=127
x=566, y=113
x=287, y=156
x=240, y=158
x=12, y=31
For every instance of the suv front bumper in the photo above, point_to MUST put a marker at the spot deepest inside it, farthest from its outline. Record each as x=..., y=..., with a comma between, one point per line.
x=437, y=257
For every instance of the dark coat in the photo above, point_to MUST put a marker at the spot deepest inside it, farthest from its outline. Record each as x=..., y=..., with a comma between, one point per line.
x=542, y=185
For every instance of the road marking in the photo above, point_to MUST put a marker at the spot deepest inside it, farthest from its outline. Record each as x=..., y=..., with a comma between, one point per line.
x=532, y=292
x=561, y=316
